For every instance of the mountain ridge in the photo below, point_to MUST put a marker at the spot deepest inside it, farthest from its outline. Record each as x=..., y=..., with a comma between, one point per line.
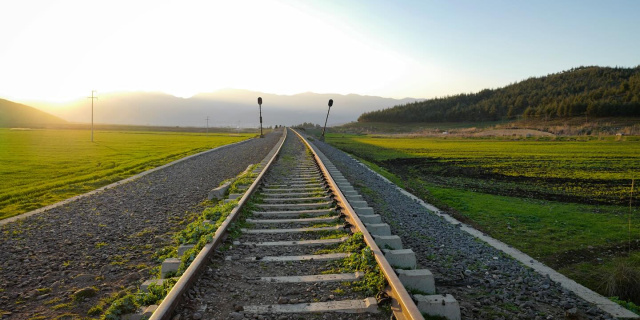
x=224, y=107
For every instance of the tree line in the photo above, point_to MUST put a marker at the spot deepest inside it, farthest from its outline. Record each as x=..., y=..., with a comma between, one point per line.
x=584, y=91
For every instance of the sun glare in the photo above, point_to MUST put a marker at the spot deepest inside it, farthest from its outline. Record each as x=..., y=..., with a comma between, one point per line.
x=190, y=47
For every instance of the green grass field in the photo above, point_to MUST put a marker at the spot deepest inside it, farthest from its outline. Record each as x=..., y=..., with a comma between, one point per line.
x=563, y=202
x=41, y=167
x=583, y=171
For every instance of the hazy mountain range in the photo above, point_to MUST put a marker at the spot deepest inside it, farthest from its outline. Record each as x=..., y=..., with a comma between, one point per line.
x=229, y=107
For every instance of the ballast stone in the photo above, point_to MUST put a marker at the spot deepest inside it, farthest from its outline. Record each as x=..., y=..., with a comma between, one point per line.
x=339, y=277
x=144, y=287
x=345, y=185
x=219, y=192
x=370, y=218
x=363, y=210
x=378, y=229
x=350, y=193
x=234, y=196
x=421, y=279
x=358, y=204
x=394, y=242
x=369, y=305
x=309, y=257
x=169, y=265
x=184, y=248
x=402, y=258
x=437, y=305
x=142, y=314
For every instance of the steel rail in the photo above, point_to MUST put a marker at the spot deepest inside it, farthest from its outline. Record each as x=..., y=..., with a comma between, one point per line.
x=165, y=309
x=403, y=306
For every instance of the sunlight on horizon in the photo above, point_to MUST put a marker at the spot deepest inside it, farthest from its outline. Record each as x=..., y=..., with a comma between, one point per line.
x=187, y=48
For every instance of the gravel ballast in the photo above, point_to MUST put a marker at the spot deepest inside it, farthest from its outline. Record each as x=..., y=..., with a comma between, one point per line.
x=487, y=283
x=230, y=285
x=105, y=241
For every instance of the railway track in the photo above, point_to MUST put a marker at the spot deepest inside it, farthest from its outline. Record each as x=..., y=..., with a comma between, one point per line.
x=301, y=244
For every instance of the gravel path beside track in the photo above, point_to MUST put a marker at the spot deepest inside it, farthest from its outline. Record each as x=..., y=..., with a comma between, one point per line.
x=486, y=283
x=106, y=241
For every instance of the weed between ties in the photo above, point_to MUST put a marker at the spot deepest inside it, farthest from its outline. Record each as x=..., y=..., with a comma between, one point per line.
x=361, y=259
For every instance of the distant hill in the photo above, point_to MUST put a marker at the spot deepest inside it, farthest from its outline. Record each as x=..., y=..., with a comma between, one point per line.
x=583, y=91
x=225, y=108
x=19, y=115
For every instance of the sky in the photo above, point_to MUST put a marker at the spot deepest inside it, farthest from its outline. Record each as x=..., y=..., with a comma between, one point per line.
x=56, y=51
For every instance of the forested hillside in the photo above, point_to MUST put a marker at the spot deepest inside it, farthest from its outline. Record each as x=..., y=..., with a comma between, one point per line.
x=583, y=91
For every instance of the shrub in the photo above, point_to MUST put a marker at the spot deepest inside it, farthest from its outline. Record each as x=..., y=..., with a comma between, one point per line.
x=361, y=259
x=192, y=233
x=121, y=306
x=623, y=282
x=218, y=211
x=627, y=304
x=155, y=293
x=95, y=311
x=83, y=293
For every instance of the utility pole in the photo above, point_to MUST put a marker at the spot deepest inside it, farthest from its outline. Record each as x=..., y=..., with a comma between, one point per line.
x=325, y=120
x=207, y=126
x=260, y=106
x=92, y=98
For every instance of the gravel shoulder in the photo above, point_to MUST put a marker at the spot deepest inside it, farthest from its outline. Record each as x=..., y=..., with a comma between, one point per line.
x=105, y=241
x=487, y=283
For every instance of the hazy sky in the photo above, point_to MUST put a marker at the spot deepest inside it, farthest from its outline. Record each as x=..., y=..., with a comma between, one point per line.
x=59, y=50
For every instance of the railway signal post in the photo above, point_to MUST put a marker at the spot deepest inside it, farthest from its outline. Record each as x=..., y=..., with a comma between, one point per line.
x=260, y=107
x=325, y=120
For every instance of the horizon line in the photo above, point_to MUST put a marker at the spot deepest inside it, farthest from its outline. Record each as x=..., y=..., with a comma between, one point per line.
x=114, y=92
